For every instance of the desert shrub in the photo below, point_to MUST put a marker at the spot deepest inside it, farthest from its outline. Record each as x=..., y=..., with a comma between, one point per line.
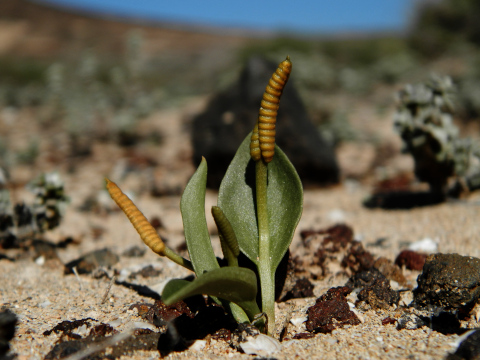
x=425, y=123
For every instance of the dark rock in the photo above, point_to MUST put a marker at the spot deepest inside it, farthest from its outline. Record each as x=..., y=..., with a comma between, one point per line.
x=411, y=259
x=8, y=320
x=134, y=251
x=137, y=342
x=160, y=314
x=102, y=330
x=89, y=262
x=147, y=271
x=469, y=349
x=303, y=288
x=376, y=292
x=66, y=327
x=339, y=236
x=331, y=311
x=404, y=200
x=388, y=320
x=303, y=336
x=231, y=115
x=449, y=281
x=45, y=248
x=357, y=258
x=411, y=322
x=390, y=270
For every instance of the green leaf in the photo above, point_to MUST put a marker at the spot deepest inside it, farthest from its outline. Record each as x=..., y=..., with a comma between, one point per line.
x=238, y=285
x=192, y=207
x=284, y=200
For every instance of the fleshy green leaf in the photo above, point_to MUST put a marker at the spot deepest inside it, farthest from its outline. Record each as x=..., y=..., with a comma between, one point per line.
x=192, y=206
x=238, y=285
x=284, y=200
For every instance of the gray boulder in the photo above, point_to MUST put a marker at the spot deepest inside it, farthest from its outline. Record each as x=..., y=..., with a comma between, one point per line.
x=231, y=115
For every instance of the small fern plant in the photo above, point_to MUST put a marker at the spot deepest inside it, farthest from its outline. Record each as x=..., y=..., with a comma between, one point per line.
x=256, y=215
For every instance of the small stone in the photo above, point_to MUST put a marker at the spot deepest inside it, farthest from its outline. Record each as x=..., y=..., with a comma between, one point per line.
x=410, y=322
x=375, y=292
x=357, y=258
x=134, y=251
x=331, y=311
x=198, y=345
x=260, y=344
x=469, y=348
x=8, y=320
x=449, y=281
x=425, y=245
x=390, y=270
x=412, y=260
x=90, y=261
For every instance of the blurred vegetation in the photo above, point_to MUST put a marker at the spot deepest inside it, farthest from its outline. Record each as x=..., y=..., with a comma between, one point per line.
x=93, y=97
x=440, y=26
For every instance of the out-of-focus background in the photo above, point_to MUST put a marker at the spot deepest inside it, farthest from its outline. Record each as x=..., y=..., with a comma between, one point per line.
x=84, y=79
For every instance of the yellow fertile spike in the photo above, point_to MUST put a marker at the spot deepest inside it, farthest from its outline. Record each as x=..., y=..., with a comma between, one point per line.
x=267, y=115
x=146, y=231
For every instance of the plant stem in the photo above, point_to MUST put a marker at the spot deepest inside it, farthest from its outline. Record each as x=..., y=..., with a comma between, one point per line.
x=267, y=280
x=172, y=255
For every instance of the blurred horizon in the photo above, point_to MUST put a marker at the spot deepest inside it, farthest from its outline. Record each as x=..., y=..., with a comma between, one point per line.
x=306, y=18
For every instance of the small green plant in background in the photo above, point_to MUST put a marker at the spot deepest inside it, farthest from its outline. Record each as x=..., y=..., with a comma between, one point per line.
x=259, y=206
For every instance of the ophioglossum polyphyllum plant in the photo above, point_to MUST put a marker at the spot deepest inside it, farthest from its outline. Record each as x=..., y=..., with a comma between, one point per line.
x=256, y=215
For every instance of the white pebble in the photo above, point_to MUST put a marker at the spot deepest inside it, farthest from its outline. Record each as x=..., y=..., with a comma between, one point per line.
x=427, y=245
x=261, y=345
x=40, y=260
x=198, y=345
x=336, y=216
x=297, y=321
x=45, y=304
x=144, y=325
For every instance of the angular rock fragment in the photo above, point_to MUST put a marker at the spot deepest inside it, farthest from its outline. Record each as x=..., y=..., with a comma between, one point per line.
x=331, y=311
x=410, y=322
x=450, y=282
x=375, y=292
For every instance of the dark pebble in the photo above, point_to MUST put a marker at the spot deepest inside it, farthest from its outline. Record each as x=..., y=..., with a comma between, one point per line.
x=411, y=259
x=375, y=292
x=331, y=311
x=449, y=281
x=134, y=251
x=469, y=349
x=89, y=262
x=8, y=320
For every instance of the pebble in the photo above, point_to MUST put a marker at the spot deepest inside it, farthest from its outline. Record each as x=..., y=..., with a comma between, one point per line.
x=198, y=345
x=427, y=245
x=448, y=281
x=298, y=321
x=410, y=322
x=260, y=345
x=469, y=348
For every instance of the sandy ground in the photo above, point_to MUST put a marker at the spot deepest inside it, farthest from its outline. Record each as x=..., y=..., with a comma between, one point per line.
x=42, y=296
